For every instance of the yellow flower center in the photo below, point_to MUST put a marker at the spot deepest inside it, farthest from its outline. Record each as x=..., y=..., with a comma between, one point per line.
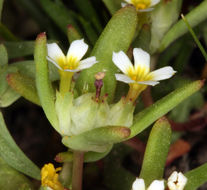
x=139, y=74
x=49, y=177
x=68, y=62
x=141, y=4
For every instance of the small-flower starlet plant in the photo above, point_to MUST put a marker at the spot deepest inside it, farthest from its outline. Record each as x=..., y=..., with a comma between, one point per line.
x=70, y=63
x=138, y=76
x=142, y=5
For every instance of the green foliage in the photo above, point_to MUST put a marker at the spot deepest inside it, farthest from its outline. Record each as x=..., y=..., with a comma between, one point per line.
x=156, y=152
x=113, y=6
x=117, y=35
x=12, y=154
x=12, y=179
x=194, y=17
x=143, y=119
x=24, y=85
x=43, y=84
x=196, y=177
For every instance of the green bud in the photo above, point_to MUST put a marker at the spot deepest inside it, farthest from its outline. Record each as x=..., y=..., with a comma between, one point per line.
x=121, y=113
x=63, y=106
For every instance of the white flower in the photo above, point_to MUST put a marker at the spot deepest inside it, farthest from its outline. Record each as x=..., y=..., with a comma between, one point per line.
x=139, y=184
x=176, y=181
x=139, y=73
x=142, y=5
x=72, y=61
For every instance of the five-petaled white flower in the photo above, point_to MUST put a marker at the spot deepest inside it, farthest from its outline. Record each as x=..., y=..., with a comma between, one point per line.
x=176, y=181
x=139, y=73
x=139, y=184
x=142, y=5
x=72, y=61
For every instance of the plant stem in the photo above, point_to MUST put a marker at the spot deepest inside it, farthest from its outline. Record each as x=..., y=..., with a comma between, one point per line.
x=77, y=170
x=65, y=81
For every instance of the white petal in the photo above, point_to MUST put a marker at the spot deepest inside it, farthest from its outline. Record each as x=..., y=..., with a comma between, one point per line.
x=176, y=181
x=78, y=49
x=156, y=185
x=52, y=61
x=54, y=52
x=149, y=82
x=163, y=73
x=121, y=60
x=128, y=1
x=86, y=63
x=154, y=2
x=182, y=180
x=138, y=184
x=141, y=58
x=123, y=4
x=145, y=10
x=123, y=78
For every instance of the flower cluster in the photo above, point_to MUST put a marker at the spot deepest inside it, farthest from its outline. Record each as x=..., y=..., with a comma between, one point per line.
x=176, y=181
x=89, y=111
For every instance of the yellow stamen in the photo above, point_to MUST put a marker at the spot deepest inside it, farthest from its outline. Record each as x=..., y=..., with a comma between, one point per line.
x=68, y=62
x=139, y=74
x=49, y=177
x=141, y=4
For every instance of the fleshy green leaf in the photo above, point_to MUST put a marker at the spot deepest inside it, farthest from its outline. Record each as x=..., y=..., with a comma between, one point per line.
x=195, y=17
x=88, y=156
x=3, y=56
x=25, y=86
x=116, y=36
x=8, y=97
x=97, y=140
x=19, y=49
x=196, y=177
x=156, y=151
x=113, y=5
x=145, y=118
x=60, y=15
x=11, y=179
x=14, y=157
x=1, y=6
x=43, y=84
x=28, y=68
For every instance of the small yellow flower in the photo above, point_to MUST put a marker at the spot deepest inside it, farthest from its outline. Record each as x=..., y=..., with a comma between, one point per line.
x=142, y=5
x=49, y=177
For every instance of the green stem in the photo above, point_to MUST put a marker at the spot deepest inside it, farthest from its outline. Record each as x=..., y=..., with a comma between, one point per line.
x=66, y=174
x=77, y=170
x=195, y=37
x=65, y=81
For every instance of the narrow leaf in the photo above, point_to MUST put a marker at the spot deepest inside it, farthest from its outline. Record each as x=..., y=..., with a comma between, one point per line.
x=24, y=85
x=19, y=49
x=3, y=55
x=97, y=140
x=196, y=177
x=156, y=151
x=116, y=36
x=145, y=118
x=195, y=17
x=113, y=6
x=43, y=84
x=14, y=157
